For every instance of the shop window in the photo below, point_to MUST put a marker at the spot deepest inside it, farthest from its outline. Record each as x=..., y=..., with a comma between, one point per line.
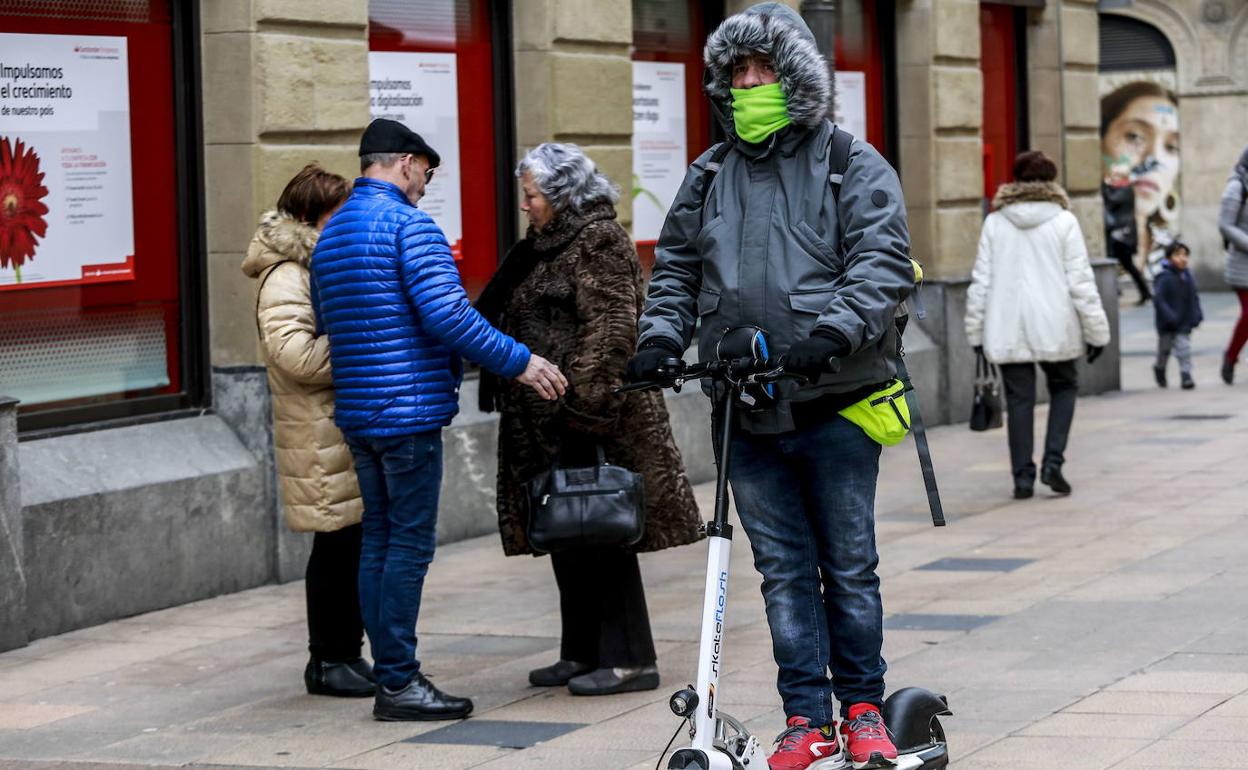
x=98, y=309
x=1003, y=68
x=432, y=67
x=671, y=117
x=862, y=69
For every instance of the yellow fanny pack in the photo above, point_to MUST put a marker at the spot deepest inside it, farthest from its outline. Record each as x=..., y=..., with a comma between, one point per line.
x=884, y=415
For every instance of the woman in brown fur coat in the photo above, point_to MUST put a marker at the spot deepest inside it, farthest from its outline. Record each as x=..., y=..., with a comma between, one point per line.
x=319, y=490
x=572, y=292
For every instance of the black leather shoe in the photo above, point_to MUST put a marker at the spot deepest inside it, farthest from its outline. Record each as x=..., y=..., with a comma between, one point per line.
x=341, y=680
x=361, y=667
x=558, y=674
x=609, y=681
x=1159, y=374
x=1228, y=371
x=1055, y=480
x=1022, y=493
x=1187, y=383
x=419, y=701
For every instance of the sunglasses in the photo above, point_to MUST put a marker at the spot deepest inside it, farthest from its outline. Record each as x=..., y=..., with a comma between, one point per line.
x=428, y=175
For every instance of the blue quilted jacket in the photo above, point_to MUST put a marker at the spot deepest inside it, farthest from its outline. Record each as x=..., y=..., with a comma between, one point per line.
x=386, y=289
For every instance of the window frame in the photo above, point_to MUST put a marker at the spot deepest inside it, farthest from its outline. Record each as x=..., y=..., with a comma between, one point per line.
x=195, y=396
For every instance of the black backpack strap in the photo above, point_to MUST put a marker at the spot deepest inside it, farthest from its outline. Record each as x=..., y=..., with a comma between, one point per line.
x=713, y=165
x=920, y=444
x=838, y=158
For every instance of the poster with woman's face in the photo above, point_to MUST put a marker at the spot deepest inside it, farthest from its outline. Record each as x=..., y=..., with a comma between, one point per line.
x=1140, y=149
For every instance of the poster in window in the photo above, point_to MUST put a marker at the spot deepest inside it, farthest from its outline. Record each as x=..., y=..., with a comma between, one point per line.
x=660, y=154
x=851, y=103
x=420, y=91
x=66, y=203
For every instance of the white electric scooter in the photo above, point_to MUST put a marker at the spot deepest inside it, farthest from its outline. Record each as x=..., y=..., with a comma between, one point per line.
x=719, y=741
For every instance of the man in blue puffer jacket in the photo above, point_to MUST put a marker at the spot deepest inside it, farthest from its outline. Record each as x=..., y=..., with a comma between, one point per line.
x=387, y=291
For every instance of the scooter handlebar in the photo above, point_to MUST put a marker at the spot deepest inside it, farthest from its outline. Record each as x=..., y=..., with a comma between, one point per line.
x=674, y=372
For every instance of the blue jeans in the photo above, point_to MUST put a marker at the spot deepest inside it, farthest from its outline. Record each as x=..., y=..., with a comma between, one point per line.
x=807, y=502
x=399, y=481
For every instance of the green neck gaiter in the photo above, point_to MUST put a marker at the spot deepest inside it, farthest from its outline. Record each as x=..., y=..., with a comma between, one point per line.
x=759, y=112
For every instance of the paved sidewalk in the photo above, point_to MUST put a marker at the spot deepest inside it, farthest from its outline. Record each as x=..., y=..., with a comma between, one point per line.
x=1108, y=629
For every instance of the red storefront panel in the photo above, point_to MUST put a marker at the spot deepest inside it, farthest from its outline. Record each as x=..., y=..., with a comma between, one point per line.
x=97, y=329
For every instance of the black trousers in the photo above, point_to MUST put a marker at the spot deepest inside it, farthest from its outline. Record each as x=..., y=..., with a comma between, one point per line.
x=1020, y=405
x=603, y=606
x=1126, y=257
x=335, y=627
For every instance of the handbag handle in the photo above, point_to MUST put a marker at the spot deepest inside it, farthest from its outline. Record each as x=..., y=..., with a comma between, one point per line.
x=984, y=369
x=557, y=456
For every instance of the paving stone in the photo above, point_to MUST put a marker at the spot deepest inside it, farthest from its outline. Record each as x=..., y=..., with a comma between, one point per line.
x=1082, y=725
x=1184, y=681
x=1064, y=752
x=975, y=564
x=1147, y=703
x=931, y=622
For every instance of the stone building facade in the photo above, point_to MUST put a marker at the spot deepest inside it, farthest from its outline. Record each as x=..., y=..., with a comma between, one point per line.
x=1209, y=39
x=168, y=508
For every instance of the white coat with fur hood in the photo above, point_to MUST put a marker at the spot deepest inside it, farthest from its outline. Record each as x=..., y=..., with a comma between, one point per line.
x=1033, y=295
x=320, y=492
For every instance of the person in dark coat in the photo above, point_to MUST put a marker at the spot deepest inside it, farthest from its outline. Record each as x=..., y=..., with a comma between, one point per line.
x=1176, y=306
x=572, y=291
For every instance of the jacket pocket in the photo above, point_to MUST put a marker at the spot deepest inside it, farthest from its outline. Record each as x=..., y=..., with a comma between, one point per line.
x=815, y=246
x=708, y=302
x=707, y=229
x=811, y=300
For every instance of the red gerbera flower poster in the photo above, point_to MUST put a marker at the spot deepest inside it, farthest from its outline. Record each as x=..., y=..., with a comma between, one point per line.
x=66, y=183
x=22, y=208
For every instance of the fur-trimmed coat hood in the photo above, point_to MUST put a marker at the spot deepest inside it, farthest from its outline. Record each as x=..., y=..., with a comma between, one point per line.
x=778, y=31
x=1029, y=204
x=279, y=237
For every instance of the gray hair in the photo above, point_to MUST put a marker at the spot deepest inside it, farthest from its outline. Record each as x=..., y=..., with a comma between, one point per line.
x=383, y=159
x=567, y=177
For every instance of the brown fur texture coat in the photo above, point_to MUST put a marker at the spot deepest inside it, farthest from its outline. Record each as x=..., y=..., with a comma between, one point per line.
x=579, y=308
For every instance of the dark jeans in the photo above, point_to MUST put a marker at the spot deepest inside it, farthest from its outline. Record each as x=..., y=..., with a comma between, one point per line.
x=335, y=627
x=807, y=502
x=602, y=603
x=399, y=481
x=1020, y=405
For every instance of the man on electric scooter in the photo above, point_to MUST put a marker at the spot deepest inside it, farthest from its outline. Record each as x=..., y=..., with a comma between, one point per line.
x=760, y=235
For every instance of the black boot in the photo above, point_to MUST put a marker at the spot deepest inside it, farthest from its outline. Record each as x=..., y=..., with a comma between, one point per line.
x=558, y=674
x=1159, y=374
x=1052, y=476
x=608, y=681
x=341, y=680
x=1187, y=383
x=1228, y=371
x=419, y=701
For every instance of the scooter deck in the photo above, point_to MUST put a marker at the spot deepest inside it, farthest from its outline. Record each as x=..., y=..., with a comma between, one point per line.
x=932, y=758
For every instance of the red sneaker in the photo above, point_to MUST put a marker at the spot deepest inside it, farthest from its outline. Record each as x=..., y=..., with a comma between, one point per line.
x=866, y=738
x=803, y=747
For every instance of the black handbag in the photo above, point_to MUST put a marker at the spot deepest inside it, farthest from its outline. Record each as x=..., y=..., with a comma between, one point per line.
x=569, y=508
x=986, y=406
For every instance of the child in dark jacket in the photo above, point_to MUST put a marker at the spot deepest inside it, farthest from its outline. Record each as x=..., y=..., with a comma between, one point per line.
x=1177, y=307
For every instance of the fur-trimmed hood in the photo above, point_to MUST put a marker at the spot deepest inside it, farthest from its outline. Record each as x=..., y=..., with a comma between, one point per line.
x=1028, y=204
x=778, y=31
x=279, y=237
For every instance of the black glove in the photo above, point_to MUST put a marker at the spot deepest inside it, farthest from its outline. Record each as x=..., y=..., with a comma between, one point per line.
x=1094, y=352
x=979, y=350
x=644, y=365
x=814, y=355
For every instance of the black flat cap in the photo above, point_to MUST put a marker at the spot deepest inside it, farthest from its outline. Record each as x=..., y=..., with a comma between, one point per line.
x=384, y=135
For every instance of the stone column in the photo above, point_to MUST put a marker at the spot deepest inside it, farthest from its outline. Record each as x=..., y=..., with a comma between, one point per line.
x=574, y=82
x=13, y=627
x=940, y=113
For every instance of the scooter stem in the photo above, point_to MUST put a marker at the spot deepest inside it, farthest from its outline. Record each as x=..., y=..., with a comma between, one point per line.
x=715, y=596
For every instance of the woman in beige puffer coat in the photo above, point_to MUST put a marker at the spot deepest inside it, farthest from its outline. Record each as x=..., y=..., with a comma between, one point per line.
x=319, y=490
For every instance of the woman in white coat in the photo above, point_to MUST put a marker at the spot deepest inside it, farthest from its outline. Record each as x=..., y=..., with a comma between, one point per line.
x=1033, y=300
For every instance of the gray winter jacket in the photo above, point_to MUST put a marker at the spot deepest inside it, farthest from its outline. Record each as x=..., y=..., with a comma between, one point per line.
x=1233, y=223
x=773, y=247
